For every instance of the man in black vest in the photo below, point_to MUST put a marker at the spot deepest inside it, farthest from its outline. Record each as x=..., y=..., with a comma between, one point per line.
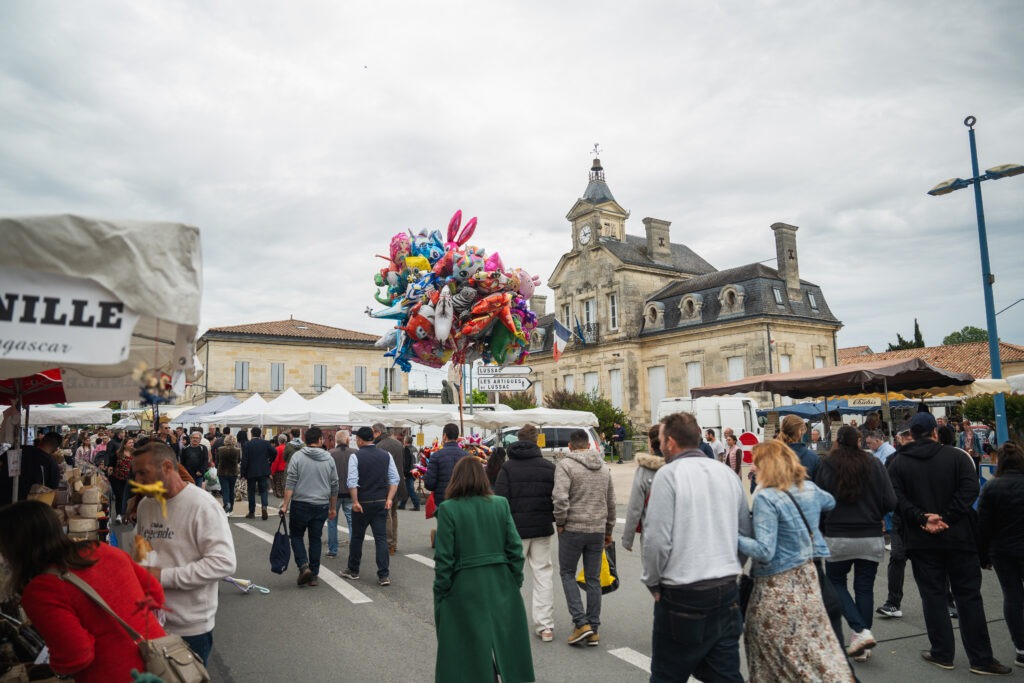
x=372, y=482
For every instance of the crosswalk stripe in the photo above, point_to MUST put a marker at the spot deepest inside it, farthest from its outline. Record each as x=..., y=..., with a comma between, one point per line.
x=633, y=657
x=421, y=559
x=339, y=584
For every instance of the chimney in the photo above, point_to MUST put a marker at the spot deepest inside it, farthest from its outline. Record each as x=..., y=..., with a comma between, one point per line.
x=659, y=248
x=539, y=304
x=788, y=263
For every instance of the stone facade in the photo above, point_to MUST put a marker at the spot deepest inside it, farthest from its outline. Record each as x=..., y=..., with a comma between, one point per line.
x=294, y=349
x=657, y=319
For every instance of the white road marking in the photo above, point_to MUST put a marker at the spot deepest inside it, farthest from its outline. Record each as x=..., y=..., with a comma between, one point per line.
x=346, y=589
x=422, y=560
x=620, y=520
x=630, y=655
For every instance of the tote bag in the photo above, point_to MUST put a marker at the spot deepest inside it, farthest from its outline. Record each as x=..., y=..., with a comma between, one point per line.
x=280, y=549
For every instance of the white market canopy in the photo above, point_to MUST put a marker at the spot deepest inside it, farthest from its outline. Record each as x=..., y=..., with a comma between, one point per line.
x=405, y=415
x=335, y=407
x=131, y=422
x=541, y=417
x=1016, y=382
x=287, y=409
x=86, y=413
x=214, y=406
x=248, y=412
x=96, y=298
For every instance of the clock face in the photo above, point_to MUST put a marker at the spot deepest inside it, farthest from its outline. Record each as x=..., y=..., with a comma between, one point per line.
x=585, y=234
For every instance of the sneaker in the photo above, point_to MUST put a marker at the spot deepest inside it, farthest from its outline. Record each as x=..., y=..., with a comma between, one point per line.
x=316, y=582
x=889, y=611
x=1020, y=659
x=385, y=581
x=350, y=575
x=251, y=515
x=953, y=614
x=305, y=576
x=859, y=642
x=593, y=640
x=580, y=633
x=863, y=656
x=547, y=635
x=926, y=655
x=993, y=669
x=332, y=555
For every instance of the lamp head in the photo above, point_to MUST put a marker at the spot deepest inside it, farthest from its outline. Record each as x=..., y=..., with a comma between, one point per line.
x=947, y=186
x=1005, y=171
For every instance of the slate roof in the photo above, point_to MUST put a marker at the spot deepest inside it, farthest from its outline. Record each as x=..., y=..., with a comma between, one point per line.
x=971, y=357
x=757, y=281
x=291, y=329
x=633, y=251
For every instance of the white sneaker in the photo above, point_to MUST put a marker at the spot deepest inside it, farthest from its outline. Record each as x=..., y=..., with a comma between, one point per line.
x=863, y=656
x=860, y=642
x=547, y=635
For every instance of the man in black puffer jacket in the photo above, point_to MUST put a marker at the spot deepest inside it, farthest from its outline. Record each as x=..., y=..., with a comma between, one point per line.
x=936, y=486
x=527, y=480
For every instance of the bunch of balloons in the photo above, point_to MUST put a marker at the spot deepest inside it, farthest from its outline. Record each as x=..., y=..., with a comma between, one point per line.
x=452, y=301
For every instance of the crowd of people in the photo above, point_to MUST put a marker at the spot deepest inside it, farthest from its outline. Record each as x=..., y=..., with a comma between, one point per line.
x=818, y=516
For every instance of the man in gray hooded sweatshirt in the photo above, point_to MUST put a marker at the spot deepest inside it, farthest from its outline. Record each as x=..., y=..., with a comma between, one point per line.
x=311, y=495
x=584, y=503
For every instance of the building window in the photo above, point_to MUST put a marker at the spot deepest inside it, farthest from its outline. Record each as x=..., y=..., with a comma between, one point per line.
x=819, y=361
x=590, y=383
x=613, y=312
x=785, y=362
x=569, y=383
x=360, y=376
x=736, y=368
x=566, y=313
x=778, y=296
x=241, y=375
x=656, y=385
x=319, y=377
x=694, y=374
x=813, y=299
x=538, y=392
x=389, y=379
x=615, y=385
x=277, y=376
x=588, y=311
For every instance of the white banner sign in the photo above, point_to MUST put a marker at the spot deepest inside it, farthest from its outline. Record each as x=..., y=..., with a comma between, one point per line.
x=55, y=318
x=500, y=383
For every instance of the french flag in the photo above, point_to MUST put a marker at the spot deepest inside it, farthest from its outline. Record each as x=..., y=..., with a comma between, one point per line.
x=562, y=335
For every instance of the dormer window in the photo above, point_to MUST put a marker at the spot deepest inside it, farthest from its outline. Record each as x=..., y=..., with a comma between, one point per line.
x=654, y=316
x=690, y=308
x=731, y=299
x=813, y=300
x=778, y=296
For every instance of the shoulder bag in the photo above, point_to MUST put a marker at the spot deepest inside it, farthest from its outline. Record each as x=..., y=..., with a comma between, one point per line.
x=169, y=657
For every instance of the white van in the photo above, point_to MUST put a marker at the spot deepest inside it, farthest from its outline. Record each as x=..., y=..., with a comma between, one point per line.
x=556, y=439
x=716, y=413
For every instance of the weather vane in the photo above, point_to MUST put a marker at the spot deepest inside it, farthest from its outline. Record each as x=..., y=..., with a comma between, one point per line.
x=597, y=150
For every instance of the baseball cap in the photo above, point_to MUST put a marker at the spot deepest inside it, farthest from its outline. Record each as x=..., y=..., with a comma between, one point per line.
x=364, y=433
x=922, y=423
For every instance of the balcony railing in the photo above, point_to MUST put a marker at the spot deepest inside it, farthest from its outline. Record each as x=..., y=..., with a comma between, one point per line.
x=590, y=332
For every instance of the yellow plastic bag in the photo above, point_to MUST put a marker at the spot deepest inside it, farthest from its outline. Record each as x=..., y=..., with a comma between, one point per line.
x=609, y=575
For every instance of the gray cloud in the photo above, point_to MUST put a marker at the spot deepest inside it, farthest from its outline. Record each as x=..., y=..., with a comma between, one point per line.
x=300, y=140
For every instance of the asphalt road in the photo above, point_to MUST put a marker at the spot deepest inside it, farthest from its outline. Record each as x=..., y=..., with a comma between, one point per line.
x=357, y=631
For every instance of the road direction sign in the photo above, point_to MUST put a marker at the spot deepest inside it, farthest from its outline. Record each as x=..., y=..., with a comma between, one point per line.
x=491, y=370
x=500, y=383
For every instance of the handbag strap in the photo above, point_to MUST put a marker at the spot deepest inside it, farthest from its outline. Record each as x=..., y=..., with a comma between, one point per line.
x=89, y=591
x=797, y=505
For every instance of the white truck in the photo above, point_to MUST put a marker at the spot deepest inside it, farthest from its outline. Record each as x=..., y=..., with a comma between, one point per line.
x=716, y=413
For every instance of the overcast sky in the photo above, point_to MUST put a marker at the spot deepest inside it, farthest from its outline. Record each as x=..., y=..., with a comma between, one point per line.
x=300, y=136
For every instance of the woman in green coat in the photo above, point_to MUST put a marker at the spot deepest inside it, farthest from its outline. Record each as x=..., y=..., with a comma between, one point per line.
x=479, y=616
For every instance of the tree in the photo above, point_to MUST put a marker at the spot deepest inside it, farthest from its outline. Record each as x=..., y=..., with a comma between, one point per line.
x=518, y=400
x=968, y=334
x=982, y=409
x=478, y=396
x=385, y=395
x=607, y=414
x=902, y=343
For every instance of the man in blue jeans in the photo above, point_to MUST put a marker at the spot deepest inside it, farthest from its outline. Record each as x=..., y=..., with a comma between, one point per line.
x=372, y=483
x=341, y=455
x=311, y=495
x=690, y=559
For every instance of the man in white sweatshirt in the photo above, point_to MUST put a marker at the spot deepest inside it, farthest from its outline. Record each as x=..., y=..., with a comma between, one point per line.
x=691, y=562
x=192, y=548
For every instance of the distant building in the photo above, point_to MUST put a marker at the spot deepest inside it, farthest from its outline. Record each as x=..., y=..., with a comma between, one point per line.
x=269, y=357
x=651, y=318
x=971, y=357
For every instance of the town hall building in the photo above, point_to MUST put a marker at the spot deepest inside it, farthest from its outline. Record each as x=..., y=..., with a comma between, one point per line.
x=651, y=319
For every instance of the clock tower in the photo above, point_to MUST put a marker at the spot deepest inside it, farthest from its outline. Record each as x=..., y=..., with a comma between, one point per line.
x=596, y=215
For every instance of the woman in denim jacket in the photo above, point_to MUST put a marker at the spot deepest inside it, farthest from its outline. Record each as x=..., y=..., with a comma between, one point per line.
x=787, y=631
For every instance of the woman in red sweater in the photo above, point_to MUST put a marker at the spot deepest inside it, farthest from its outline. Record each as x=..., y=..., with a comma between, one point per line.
x=84, y=641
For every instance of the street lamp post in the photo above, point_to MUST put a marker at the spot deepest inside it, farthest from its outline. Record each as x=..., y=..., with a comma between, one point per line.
x=987, y=278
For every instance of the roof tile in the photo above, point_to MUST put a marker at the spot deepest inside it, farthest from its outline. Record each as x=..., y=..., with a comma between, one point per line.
x=971, y=357
x=298, y=329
